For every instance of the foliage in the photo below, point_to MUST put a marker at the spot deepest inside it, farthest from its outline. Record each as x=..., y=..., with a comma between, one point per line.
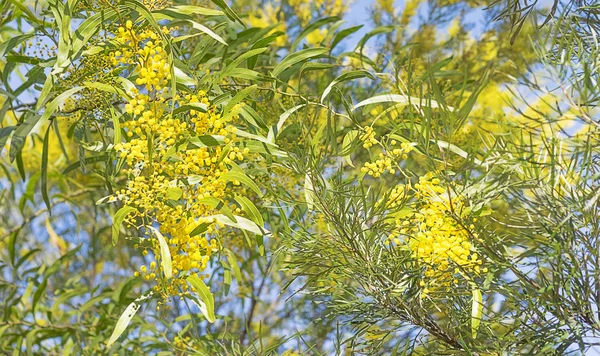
x=418, y=187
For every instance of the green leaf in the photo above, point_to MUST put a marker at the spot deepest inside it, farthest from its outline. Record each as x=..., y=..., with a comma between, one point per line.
x=347, y=145
x=206, y=141
x=234, y=265
x=125, y=318
x=311, y=66
x=48, y=85
x=15, y=58
x=228, y=11
x=464, y=111
x=476, y=311
x=226, y=278
x=309, y=192
x=193, y=10
x=59, y=100
x=251, y=210
x=183, y=78
x=174, y=193
x=276, y=129
x=199, y=229
x=218, y=205
x=398, y=99
x=191, y=106
x=296, y=58
x=245, y=73
x=455, y=149
x=240, y=223
x=377, y=31
x=343, y=34
x=236, y=62
x=355, y=74
x=118, y=219
x=4, y=135
x=105, y=87
x=116, y=126
x=207, y=31
x=44, y=173
x=20, y=134
x=207, y=300
x=30, y=16
x=242, y=178
x=39, y=292
x=62, y=16
x=241, y=95
x=12, y=42
x=87, y=160
x=165, y=254
x=90, y=27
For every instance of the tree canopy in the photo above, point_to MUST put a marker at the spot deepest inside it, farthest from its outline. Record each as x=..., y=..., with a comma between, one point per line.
x=289, y=178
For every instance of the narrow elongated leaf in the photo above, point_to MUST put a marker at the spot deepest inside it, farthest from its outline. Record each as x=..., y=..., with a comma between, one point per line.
x=309, y=194
x=476, y=311
x=105, y=87
x=355, y=74
x=245, y=73
x=312, y=66
x=87, y=160
x=207, y=31
x=455, y=149
x=199, y=229
x=165, y=254
x=62, y=14
x=207, y=305
x=38, y=293
x=48, y=85
x=276, y=129
x=243, y=179
x=241, y=95
x=56, y=102
x=228, y=11
x=343, y=34
x=377, y=31
x=116, y=127
x=219, y=205
x=347, y=146
x=250, y=209
x=118, y=219
x=234, y=265
x=296, y=58
x=126, y=317
x=226, y=277
x=90, y=27
x=12, y=42
x=4, y=135
x=240, y=223
x=236, y=62
x=398, y=99
x=183, y=78
x=191, y=106
x=44, y=173
x=56, y=240
x=194, y=10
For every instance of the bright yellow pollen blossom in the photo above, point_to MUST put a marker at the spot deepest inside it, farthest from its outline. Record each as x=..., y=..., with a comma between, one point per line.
x=173, y=177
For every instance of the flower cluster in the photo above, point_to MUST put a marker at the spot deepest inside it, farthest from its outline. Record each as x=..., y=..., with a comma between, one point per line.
x=387, y=161
x=435, y=234
x=368, y=137
x=173, y=178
